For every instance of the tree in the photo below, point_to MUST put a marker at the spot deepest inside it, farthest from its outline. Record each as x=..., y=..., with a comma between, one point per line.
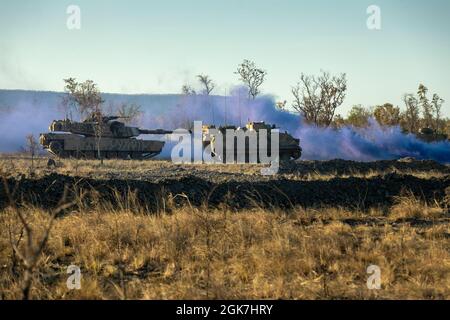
x=84, y=97
x=338, y=121
x=358, y=116
x=431, y=111
x=207, y=83
x=252, y=76
x=436, y=103
x=68, y=106
x=446, y=127
x=387, y=114
x=208, y=87
x=187, y=90
x=427, y=109
x=131, y=112
x=32, y=148
x=317, y=98
x=410, y=119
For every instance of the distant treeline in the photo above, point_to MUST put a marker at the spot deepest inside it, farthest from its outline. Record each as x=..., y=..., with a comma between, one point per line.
x=419, y=112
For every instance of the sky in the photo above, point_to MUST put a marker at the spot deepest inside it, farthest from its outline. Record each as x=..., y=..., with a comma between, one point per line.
x=146, y=46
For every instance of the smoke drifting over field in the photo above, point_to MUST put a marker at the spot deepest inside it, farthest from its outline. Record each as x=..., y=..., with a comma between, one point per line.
x=367, y=144
x=21, y=120
x=373, y=143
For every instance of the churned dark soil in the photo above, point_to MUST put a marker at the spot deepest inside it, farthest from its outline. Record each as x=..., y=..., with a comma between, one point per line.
x=336, y=183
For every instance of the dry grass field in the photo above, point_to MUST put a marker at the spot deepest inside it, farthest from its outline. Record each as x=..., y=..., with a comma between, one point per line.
x=196, y=249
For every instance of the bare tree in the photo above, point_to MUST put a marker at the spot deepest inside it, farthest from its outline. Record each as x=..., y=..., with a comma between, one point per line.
x=131, y=112
x=410, y=118
x=252, y=77
x=207, y=83
x=32, y=148
x=208, y=87
x=317, y=98
x=187, y=92
x=30, y=253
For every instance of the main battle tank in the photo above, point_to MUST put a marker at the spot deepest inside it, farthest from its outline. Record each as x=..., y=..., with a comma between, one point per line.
x=112, y=137
x=289, y=147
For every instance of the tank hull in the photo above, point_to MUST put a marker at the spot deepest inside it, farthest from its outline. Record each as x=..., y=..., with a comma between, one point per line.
x=288, y=148
x=78, y=146
x=285, y=153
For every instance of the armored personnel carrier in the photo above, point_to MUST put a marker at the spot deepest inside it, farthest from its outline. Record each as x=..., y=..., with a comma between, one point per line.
x=289, y=147
x=99, y=136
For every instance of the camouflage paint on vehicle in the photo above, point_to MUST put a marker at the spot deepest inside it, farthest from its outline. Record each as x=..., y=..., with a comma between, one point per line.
x=98, y=133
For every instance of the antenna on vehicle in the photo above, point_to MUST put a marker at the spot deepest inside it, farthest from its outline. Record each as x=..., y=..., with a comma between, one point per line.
x=225, y=107
x=239, y=107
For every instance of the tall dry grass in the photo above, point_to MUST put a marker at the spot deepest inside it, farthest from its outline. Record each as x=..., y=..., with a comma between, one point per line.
x=194, y=253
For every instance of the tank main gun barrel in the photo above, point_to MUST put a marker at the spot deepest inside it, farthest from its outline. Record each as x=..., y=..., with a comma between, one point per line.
x=155, y=131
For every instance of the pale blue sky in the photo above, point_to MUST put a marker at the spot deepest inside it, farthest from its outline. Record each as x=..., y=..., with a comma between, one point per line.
x=150, y=46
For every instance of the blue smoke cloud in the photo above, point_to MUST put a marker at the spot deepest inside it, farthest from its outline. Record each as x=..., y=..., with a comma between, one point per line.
x=368, y=144
x=362, y=144
x=33, y=114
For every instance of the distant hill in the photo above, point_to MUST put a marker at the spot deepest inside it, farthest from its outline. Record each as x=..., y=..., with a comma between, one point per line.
x=51, y=99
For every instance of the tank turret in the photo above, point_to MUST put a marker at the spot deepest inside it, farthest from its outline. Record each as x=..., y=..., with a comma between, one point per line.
x=96, y=133
x=108, y=127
